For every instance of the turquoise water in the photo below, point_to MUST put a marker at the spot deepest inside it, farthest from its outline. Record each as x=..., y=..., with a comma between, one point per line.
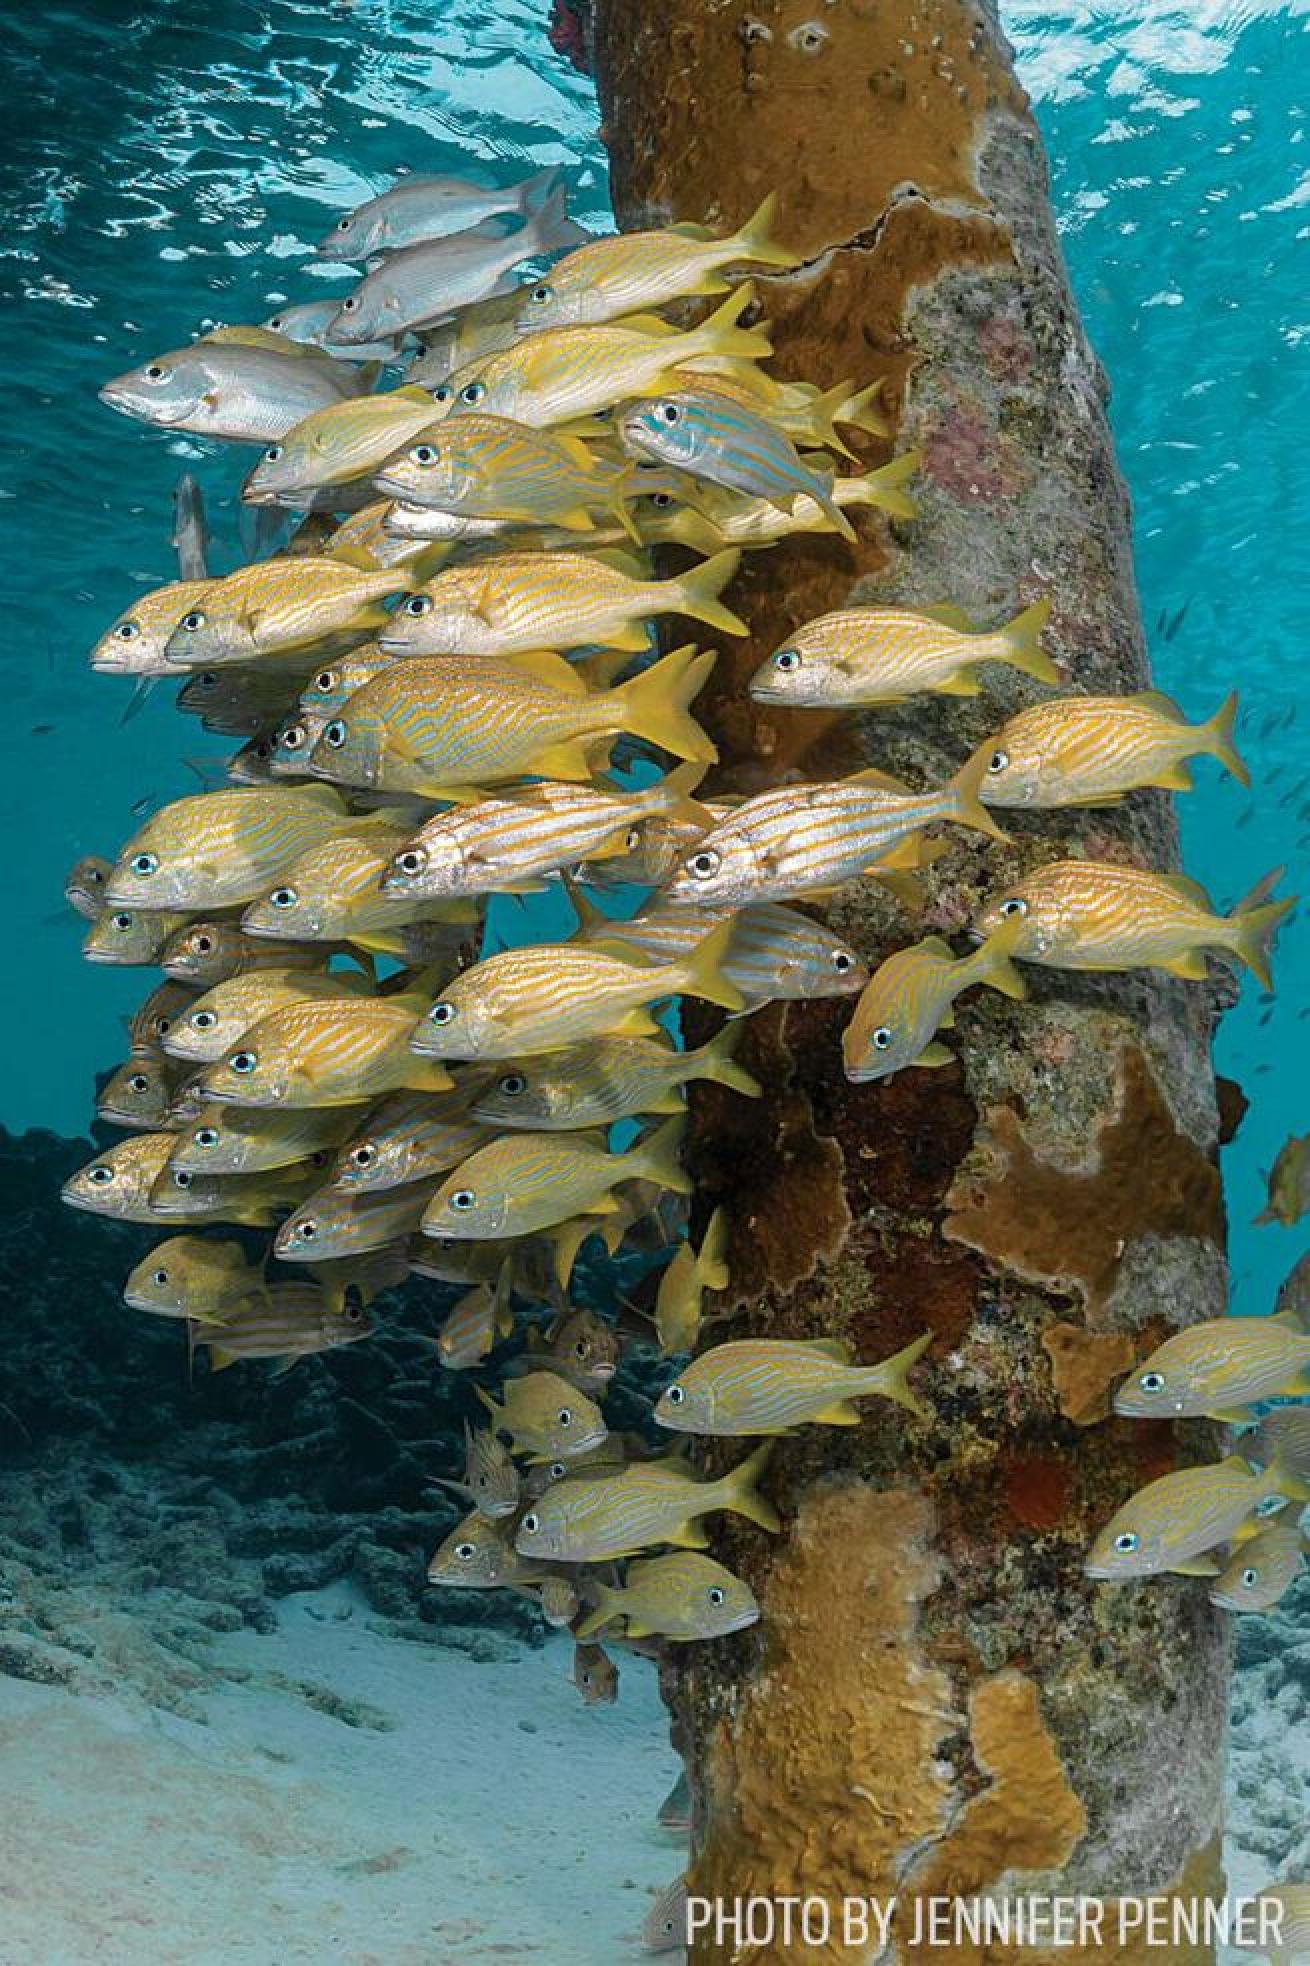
x=163, y=166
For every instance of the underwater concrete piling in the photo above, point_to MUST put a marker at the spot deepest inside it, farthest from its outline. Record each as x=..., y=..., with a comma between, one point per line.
x=937, y=1701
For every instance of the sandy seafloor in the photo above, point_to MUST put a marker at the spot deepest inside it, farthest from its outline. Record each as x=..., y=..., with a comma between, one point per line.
x=484, y=1815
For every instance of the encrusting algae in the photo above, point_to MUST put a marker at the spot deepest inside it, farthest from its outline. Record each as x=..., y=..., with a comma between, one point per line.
x=457, y=715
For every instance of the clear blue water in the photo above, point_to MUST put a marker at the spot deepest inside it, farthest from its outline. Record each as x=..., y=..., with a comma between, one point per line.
x=166, y=165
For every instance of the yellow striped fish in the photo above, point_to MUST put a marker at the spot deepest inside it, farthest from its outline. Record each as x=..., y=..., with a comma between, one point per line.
x=491, y=468
x=206, y=953
x=1173, y=1523
x=525, y=1183
x=726, y=518
x=118, y=1183
x=662, y=843
x=911, y=998
x=140, y=1093
x=1219, y=1369
x=636, y=271
x=474, y=1325
x=582, y=1347
x=335, y=1224
x=1261, y=1572
x=567, y=373
x=474, y=333
x=802, y=838
x=334, y=445
x=408, y=1137
x=152, y=1022
x=257, y=1200
x=547, y=996
x=518, y=602
x=684, y=1283
x=328, y=1054
x=296, y=1321
x=592, y=1518
x=490, y=1480
x=605, y=1080
x=224, y=1139
x=1283, y=1435
x=441, y=727
x=134, y=644
x=215, y=849
x=683, y=1596
x=130, y=936
x=333, y=893
x=773, y=1385
x=546, y=1417
x=281, y=604
x=337, y=679
x=479, y=1556
x=192, y=1277
x=219, y=1019
x=866, y=656
x=507, y=845
x=1093, y=914
x=774, y=954
x=1092, y=750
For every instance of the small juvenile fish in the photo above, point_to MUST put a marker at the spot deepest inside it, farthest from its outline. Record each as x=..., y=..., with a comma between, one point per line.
x=1288, y=1183
x=774, y=955
x=546, y=1417
x=682, y=1597
x=1220, y=1369
x=477, y=1323
x=910, y=999
x=245, y=393
x=582, y=1347
x=595, y=1675
x=193, y=1277
x=1093, y=914
x=524, y=1183
x=773, y=1385
x=560, y=1603
x=519, y=602
x=207, y=953
x=216, y=1022
x=568, y=373
x=478, y=1555
x=1261, y=1571
x=507, y=845
x=283, y=604
x=417, y=208
x=191, y=534
x=341, y=444
x=134, y=644
x=294, y=1321
x=331, y=1224
x=491, y=468
x=867, y=656
x=683, y=1284
x=1174, y=1522
x=490, y=1480
x=664, y=1928
x=333, y=893
x=1283, y=1436
x=713, y=437
x=1093, y=750
x=799, y=838
x=591, y=1518
x=140, y=1093
x=429, y=280
x=440, y=727
x=131, y=936
x=335, y=1053
x=84, y=886
x=604, y=1080
x=410, y=1136
x=547, y=996
x=306, y=322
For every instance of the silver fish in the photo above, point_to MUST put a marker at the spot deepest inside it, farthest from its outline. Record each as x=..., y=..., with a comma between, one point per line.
x=420, y=208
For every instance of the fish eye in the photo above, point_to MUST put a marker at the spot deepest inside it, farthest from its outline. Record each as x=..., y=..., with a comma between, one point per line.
x=127, y=631
x=703, y=866
x=203, y=944
x=354, y=1314
x=671, y=412
x=512, y=1085
x=272, y=454
x=531, y=1523
x=276, y=323
x=203, y=1020
x=243, y=1063
x=1016, y=906
x=557, y=1471
x=662, y=501
x=191, y=622
x=364, y=1156
x=716, y=1594
x=100, y=1176
x=145, y=864
x=293, y=737
x=349, y=305
x=425, y=454
x=472, y=392
x=882, y=1037
x=138, y=1083
x=181, y=1178
x=586, y=1677
x=121, y=922
x=540, y=295
x=157, y=372
x=418, y=604
x=205, y=1136
x=1152, y=1382
x=284, y=897
x=463, y=1198
x=205, y=679
x=999, y=760
x=335, y=733
x=1127, y=1543
x=162, y=1026
x=1250, y=1578
x=675, y=1395
x=160, y=1277
x=787, y=660
x=307, y=1229
x=441, y=1013
x=442, y=393
x=412, y=861
x=344, y=224
x=325, y=680
x=465, y=1552
x=842, y=960
x=565, y=1416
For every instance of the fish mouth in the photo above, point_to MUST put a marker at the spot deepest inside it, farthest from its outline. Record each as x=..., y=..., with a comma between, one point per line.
x=1103, y=1573
x=585, y=1443
x=740, y=1623
x=394, y=644
x=71, y=1199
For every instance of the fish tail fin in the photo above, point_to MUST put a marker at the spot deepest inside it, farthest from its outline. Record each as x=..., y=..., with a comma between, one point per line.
x=1022, y=639
x=885, y=486
x=535, y=189
x=676, y=792
x=893, y=1377
x=1287, y=1481
x=995, y=967
x=601, y=1612
x=858, y=413
x=659, y=1157
x=1219, y=735
x=711, y=1268
x=715, y=1062
x=755, y=240
x=1254, y=923
x=496, y=1412
x=740, y=1490
x=965, y=789
x=701, y=973
x=656, y=703
x=697, y=592
x=722, y=334
x=552, y=230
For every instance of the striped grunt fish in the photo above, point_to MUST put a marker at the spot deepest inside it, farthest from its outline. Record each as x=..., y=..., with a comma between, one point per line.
x=1093, y=914
x=292, y=1321
x=257, y=1200
x=134, y=645
x=408, y=1137
x=911, y=997
x=215, y=849
x=1092, y=750
x=131, y=936
x=473, y=1326
x=475, y=332
x=1283, y=1435
x=225, y=1139
x=140, y=1093
x=219, y=1019
x=1261, y=1571
x=206, y=953
x=152, y=1022
x=234, y=385
x=192, y=1277
x=335, y=1053
x=118, y=1183
x=338, y=445
x=1173, y=1523
x=592, y=1518
x=546, y=1417
x=422, y=207
x=490, y=1480
x=666, y=1927
x=334, y=893
x=727, y=518
x=684, y=1283
x=490, y=468
x=337, y=680
x=774, y=1385
x=84, y=886
x=604, y=1080
x=478, y=1555
x=1219, y=1369
x=867, y=656
x=524, y=1183
x=335, y=1224
x=681, y=1596
x=284, y=604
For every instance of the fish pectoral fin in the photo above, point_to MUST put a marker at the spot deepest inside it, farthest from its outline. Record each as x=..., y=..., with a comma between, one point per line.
x=281, y=1366
x=219, y=1360
x=1196, y=1566
x=427, y=1076
x=946, y=1022
x=1191, y=965
x=934, y=1054
x=1237, y=1416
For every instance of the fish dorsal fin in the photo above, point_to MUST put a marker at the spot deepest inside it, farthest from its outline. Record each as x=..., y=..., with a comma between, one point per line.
x=1189, y=890
x=882, y=781
x=949, y=617
x=355, y=556
x=614, y=945
x=834, y=1348
x=687, y=229
x=651, y=324
x=934, y=945
x=547, y=667
x=574, y=447
x=1159, y=701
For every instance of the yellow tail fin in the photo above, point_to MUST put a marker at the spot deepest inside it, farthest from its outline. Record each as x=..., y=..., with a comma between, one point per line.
x=741, y=1491
x=858, y=413
x=883, y=487
x=714, y=1061
x=755, y=240
x=696, y=593
x=893, y=1377
x=1253, y=925
x=659, y=1157
x=711, y=1269
x=605, y=1610
x=1023, y=646
x=1219, y=731
x=993, y=963
x=720, y=333
x=655, y=704
x=701, y=975
x=966, y=787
